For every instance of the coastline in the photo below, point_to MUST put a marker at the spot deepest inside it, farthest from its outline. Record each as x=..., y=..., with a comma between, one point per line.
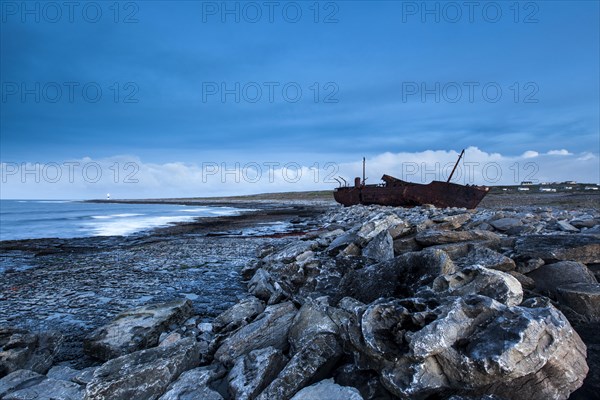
x=75, y=285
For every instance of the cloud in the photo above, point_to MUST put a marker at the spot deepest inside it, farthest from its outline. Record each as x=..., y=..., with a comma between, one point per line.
x=530, y=154
x=561, y=152
x=131, y=177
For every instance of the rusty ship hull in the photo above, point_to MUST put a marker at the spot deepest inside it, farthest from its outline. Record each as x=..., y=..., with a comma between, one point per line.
x=397, y=193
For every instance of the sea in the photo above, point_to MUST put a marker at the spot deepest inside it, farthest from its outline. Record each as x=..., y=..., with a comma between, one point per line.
x=34, y=219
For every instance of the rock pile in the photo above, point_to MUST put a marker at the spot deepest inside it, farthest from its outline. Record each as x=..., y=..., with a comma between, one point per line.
x=381, y=303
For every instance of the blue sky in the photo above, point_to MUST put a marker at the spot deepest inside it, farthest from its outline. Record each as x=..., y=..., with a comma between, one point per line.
x=370, y=61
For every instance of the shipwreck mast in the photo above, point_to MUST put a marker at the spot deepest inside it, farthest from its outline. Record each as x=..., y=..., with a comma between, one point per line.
x=455, y=165
x=363, y=180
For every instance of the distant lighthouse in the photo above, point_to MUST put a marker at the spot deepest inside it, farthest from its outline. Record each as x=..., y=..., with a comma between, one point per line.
x=107, y=196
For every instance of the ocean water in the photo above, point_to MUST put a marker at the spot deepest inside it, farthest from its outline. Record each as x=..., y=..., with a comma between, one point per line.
x=30, y=219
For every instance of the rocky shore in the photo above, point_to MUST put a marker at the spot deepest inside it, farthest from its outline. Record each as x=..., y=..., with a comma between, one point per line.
x=369, y=303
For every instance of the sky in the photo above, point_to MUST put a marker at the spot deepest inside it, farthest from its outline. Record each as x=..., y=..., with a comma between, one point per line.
x=193, y=98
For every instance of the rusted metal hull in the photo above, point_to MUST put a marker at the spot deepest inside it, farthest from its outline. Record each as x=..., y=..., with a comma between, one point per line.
x=398, y=193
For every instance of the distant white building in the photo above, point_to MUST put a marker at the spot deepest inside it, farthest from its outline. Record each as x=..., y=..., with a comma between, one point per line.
x=590, y=188
x=522, y=189
x=570, y=182
x=547, y=190
x=568, y=187
x=528, y=183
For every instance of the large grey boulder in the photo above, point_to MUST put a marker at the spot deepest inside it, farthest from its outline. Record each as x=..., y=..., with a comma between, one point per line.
x=504, y=224
x=488, y=258
x=19, y=379
x=135, y=329
x=380, y=248
x=48, y=389
x=290, y=252
x=327, y=390
x=312, y=319
x=316, y=359
x=583, y=298
x=562, y=247
x=269, y=329
x=550, y=276
x=253, y=372
x=478, y=346
x=144, y=374
x=497, y=285
x=433, y=237
x=21, y=349
x=262, y=285
x=451, y=221
x=240, y=314
x=341, y=242
x=401, y=276
x=378, y=224
x=193, y=384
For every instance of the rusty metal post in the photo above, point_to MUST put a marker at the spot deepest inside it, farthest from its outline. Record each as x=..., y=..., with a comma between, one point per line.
x=363, y=181
x=455, y=165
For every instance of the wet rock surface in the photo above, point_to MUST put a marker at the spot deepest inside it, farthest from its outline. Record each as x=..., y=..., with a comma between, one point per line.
x=135, y=329
x=376, y=303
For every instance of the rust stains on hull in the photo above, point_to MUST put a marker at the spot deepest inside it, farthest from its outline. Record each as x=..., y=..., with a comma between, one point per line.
x=398, y=193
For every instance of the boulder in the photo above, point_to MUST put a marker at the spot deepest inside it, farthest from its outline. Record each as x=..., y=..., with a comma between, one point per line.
x=62, y=372
x=433, y=237
x=19, y=379
x=378, y=224
x=312, y=319
x=525, y=281
x=270, y=329
x=504, y=224
x=497, y=285
x=380, y=248
x=366, y=381
x=351, y=250
x=550, y=276
x=341, y=242
x=329, y=390
x=405, y=245
x=561, y=247
x=314, y=361
x=324, y=278
x=401, y=276
x=290, y=252
x=21, y=349
x=584, y=222
x=240, y=314
x=144, y=374
x=451, y=221
x=262, y=285
x=583, y=298
x=566, y=227
x=193, y=384
x=253, y=372
x=479, y=255
x=136, y=329
x=532, y=264
x=48, y=389
x=480, y=346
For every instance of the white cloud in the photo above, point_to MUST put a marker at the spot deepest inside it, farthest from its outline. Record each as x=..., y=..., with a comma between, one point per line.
x=530, y=154
x=561, y=152
x=130, y=177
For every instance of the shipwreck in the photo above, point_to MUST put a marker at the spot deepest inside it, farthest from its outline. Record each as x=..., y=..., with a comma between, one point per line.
x=398, y=193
